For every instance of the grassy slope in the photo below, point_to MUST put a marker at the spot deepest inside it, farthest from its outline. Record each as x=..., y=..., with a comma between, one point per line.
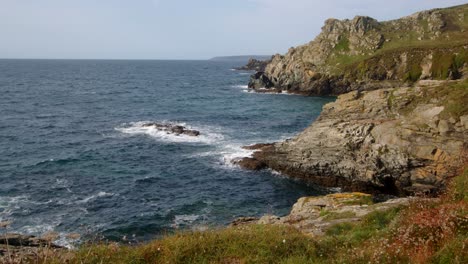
x=455, y=34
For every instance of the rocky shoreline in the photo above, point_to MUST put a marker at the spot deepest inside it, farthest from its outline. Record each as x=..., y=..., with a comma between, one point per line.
x=399, y=125
x=395, y=141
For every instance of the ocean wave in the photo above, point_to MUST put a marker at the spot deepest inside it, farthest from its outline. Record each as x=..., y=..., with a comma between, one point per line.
x=147, y=180
x=56, y=161
x=184, y=220
x=95, y=196
x=233, y=152
x=243, y=87
x=206, y=136
x=265, y=91
x=61, y=238
x=226, y=154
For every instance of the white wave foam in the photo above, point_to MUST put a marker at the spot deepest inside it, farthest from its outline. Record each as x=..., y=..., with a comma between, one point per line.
x=184, y=220
x=138, y=128
x=232, y=152
x=95, y=196
x=62, y=239
x=243, y=87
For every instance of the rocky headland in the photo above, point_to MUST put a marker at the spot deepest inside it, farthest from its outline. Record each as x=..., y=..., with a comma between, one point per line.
x=397, y=140
x=254, y=65
x=365, y=54
x=400, y=123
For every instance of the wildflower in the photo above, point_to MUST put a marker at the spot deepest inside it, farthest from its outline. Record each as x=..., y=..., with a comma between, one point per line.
x=284, y=241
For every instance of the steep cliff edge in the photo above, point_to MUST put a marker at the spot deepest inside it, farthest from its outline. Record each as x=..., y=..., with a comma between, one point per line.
x=361, y=53
x=395, y=140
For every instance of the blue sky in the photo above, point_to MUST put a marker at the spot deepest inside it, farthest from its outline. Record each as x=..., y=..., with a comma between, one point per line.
x=176, y=29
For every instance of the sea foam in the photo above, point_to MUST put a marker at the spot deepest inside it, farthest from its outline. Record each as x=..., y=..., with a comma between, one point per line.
x=138, y=128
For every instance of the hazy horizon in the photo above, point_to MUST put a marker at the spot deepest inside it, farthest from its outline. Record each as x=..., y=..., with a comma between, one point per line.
x=178, y=29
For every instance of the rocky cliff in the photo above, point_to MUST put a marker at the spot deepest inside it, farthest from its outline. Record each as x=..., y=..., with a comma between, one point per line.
x=394, y=140
x=361, y=53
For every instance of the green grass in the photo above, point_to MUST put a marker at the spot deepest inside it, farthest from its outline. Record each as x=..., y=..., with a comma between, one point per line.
x=250, y=244
x=369, y=226
x=452, y=252
x=459, y=187
x=343, y=45
x=342, y=215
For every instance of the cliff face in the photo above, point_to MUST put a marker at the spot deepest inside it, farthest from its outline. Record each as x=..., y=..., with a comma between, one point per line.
x=396, y=140
x=338, y=60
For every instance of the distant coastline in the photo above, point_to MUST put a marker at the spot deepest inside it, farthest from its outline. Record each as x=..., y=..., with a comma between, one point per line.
x=241, y=58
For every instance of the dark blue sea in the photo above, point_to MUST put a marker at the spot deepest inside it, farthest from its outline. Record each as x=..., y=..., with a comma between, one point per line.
x=76, y=158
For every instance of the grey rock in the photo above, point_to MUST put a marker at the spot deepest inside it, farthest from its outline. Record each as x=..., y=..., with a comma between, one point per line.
x=372, y=144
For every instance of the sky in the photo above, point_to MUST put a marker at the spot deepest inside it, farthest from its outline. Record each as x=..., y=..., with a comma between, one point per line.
x=177, y=29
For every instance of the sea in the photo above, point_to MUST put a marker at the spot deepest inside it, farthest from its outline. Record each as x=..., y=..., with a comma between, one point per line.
x=77, y=158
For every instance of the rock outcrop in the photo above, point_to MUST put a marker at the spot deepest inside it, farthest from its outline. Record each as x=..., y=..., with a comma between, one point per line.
x=397, y=140
x=360, y=53
x=17, y=248
x=254, y=65
x=314, y=215
x=173, y=129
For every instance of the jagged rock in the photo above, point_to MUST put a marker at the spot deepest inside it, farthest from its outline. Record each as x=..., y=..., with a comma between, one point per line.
x=173, y=129
x=257, y=146
x=254, y=65
x=250, y=164
x=260, y=80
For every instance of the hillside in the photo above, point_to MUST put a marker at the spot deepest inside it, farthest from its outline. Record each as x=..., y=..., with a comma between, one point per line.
x=367, y=54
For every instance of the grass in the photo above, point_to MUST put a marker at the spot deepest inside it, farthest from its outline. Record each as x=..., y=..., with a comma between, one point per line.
x=250, y=244
x=343, y=45
x=336, y=215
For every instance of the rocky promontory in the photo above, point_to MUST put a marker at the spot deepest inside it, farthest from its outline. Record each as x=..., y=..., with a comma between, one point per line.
x=398, y=141
x=363, y=53
x=254, y=65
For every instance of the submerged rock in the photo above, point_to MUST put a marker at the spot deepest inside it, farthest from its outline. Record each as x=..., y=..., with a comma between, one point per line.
x=173, y=129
